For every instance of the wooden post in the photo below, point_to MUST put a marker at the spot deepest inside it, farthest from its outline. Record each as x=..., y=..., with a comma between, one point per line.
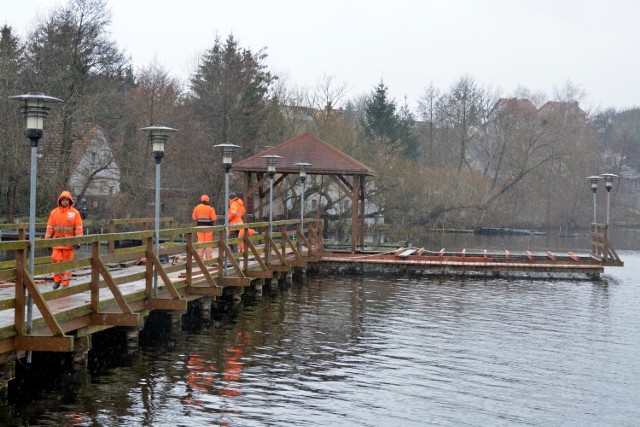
x=149, y=269
x=354, y=213
x=112, y=230
x=21, y=265
x=362, y=210
x=95, y=277
x=189, y=261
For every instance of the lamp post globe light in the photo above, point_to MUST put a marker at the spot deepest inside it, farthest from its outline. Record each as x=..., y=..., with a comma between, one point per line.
x=303, y=177
x=228, y=150
x=272, y=160
x=35, y=111
x=594, y=187
x=608, y=184
x=157, y=136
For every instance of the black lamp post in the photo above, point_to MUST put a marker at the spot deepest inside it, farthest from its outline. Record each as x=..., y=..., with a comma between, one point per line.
x=608, y=184
x=158, y=136
x=594, y=187
x=35, y=111
x=303, y=177
x=228, y=150
x=271, y=159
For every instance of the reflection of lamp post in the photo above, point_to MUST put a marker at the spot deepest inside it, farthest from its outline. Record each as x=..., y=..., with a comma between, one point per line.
x=303, y=177
x=594, y=186
x=228, y=150
x=158, y=135
x=272, y=159
x=608, y=184
x=35, y=112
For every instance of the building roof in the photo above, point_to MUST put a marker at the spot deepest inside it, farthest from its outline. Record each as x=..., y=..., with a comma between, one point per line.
x=569, y=108
x=515, y=105
x=325, y=159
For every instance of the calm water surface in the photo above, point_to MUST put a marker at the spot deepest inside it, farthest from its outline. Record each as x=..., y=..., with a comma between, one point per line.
x=379, y=351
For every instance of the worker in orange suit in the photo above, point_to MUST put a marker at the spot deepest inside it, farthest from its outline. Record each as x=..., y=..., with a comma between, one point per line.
x=64, y=221
x=205, y=215
x=250, y=232
x=236, y=212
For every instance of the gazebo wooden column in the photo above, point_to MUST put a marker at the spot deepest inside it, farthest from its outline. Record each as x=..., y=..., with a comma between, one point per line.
x=354, y=213
x=362, y=209
x=325, y=160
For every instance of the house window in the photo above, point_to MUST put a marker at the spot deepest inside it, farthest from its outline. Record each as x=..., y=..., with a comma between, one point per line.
x=314, y=204
x=93, y=157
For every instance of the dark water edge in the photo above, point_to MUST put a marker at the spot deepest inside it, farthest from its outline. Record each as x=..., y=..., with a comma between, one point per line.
x=373, y=351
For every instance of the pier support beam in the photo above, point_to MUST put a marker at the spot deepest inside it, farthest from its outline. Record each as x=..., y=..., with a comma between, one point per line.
x=236, y=294
x=300, y=274
x=81, y=347
x=205, y=308
x=132, y=337
x=257, y=286
x=7, y=373
x=176, y=322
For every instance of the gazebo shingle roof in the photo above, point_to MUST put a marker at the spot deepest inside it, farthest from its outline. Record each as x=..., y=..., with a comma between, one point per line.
x=325, y=159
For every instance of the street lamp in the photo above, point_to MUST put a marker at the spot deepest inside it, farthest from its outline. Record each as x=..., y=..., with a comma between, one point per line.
x=271, y=159
x=158, y=136
x=608, y=184
x=594, y=187
x=228, y=150
x=35, y=112
x=303, y=177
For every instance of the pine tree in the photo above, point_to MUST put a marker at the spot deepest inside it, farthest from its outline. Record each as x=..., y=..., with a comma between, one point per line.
x=230, y=91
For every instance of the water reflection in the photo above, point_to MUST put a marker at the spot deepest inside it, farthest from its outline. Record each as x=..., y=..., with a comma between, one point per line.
x=378, y=351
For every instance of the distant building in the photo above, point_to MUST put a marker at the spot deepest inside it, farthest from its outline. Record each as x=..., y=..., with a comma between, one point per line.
x=95, y=172
x=94, y=179
x=567, y=110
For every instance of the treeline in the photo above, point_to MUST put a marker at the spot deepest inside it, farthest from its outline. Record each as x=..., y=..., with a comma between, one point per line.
x=465, y=157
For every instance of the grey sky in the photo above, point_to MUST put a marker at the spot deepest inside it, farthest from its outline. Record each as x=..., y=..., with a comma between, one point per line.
x=410, y=44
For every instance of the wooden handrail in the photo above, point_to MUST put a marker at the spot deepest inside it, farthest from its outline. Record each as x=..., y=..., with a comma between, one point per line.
x=48, y=332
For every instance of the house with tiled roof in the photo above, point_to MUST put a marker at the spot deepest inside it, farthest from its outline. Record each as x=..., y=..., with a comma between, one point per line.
x=569, y=110
x=513, y=105
x=95, y=172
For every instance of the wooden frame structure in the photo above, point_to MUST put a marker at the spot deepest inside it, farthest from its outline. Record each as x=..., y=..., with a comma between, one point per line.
x=347, y=173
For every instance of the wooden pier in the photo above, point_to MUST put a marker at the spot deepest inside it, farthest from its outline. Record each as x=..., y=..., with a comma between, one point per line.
x=120, y=287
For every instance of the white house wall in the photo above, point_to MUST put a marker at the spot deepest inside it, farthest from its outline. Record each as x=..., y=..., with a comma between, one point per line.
x=104, y=183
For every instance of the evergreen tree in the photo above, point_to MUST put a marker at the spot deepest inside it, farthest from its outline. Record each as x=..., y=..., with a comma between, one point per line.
x=385, y=123
x=13, y=144
x=230, y=91
x=380, y=122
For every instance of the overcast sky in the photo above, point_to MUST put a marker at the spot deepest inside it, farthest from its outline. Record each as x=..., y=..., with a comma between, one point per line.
x=538, y=44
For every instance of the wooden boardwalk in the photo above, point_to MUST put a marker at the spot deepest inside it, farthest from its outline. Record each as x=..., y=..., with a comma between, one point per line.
x=121, y=287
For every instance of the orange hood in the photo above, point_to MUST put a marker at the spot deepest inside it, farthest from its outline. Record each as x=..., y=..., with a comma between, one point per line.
x=67, y=195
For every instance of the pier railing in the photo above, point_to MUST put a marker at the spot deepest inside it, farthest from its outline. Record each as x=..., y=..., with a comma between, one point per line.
x=601, y=248
x=128, y=294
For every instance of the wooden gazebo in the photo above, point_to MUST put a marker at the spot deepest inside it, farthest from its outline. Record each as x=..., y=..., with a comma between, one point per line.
x=348, y=174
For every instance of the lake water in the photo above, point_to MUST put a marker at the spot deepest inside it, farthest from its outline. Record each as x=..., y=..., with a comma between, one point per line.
x=380, y=351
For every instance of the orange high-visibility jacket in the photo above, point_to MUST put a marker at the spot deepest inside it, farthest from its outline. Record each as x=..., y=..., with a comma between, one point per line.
x=204, y=214
x=236, y=211
x=250, y=232
x=64, y=222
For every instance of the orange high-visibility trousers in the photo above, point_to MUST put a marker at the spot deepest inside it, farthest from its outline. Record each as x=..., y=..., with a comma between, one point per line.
x=61, y=255
x=207, y=236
